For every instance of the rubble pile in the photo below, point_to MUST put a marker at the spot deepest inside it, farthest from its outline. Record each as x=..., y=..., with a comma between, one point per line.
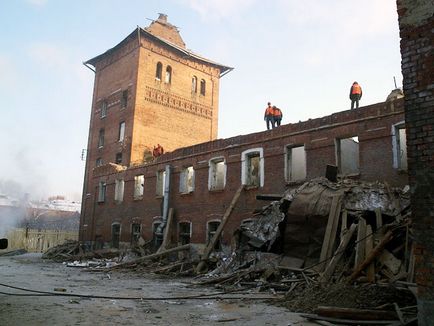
x=72, y=250
x=353, y=235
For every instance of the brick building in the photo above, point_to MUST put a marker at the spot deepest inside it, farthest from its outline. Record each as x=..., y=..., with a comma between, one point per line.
x=367, y=143
x=416, y=23
x=149, y=90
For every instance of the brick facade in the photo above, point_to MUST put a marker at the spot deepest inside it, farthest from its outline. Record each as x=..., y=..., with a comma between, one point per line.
x=144, y=96
x=416, y=22
x=373, y=125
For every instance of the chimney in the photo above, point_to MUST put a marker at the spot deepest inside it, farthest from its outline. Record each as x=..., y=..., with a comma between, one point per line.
x=162, y=18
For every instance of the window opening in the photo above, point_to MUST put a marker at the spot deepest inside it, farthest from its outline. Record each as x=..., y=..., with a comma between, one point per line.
x=119, y=190
x=184, y=234
x=122, y=131
x=118, y=158
x=217, y=174
x=252, y=168
x=347, y=151
x=168, y=78
x=202, y=87
x=101, y=138
x=135, y=233
x=103, y=109
x=161, y=176
x=139, y=181
x=158, y=234
x=186, y=183
x=116, y=234
x=194, y=84
x=295, y=163
x=102, y=188
x=212, y=228
x=253, y=173
x=98, y=162
x=402, y=148
x=159, y=71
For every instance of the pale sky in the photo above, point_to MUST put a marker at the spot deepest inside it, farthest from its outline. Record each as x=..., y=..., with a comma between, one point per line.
x=301, y=55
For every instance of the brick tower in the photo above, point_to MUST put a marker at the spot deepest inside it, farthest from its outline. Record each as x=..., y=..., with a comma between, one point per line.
x=149, y=89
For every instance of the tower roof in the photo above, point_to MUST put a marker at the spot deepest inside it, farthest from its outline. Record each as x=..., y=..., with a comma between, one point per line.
x=164, y=33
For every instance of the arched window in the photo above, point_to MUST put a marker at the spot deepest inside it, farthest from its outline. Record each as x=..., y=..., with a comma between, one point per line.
x=168, y=78
x=202, y=87
x=159, y=71
x=194, y=84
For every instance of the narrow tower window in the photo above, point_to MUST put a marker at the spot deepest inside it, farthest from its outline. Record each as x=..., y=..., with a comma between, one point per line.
x=159, y=71
x=194, y=84
x=168, y=78
x=202, y=87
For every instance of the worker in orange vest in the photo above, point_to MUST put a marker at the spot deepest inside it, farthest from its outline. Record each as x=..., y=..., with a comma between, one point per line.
x=355, y=94
x=268, y=116
x=277, y=113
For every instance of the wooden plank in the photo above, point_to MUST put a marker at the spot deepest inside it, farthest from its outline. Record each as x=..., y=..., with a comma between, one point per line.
x=410, y=271
x=353, y=313
x=210, y=247
x=378, y=219
x=360, y=244
x=370, y=270
x=346, y=321
x=167, y=232
x=377, y=250
x=344, y=222
x=330, y=233
x=325, y=277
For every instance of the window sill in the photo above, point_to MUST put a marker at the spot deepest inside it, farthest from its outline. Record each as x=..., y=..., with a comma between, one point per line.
x=402, y=171
x=251, y=187
x=100, y=202
x=137, y=198
x=186, y=193
x=217, y=190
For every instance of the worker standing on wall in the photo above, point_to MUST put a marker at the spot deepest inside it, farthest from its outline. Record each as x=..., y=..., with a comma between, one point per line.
x=355, y=94
x=277, y=113
x=268, y=116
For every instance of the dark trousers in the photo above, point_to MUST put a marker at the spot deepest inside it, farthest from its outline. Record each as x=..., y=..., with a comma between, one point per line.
x=278, y=121
x=355, y=99
x=270, y=120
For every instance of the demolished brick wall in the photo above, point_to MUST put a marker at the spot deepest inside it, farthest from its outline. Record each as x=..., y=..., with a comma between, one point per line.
x=416, y=22
x=372, y=124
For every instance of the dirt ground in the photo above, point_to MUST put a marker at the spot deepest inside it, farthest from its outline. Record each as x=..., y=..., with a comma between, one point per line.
x=31, y=272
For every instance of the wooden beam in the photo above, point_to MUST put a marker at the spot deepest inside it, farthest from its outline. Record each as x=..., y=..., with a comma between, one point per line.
x=374, y=253
x=370, y=271
x=210, y=247
x=344, y=222
x=325, y=277
x=353, y=313
x=378, y=219
x=167, y=232
x=330, y=232
x=360, y=244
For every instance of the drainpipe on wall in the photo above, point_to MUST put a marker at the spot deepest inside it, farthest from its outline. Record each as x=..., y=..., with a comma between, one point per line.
x=165, y=198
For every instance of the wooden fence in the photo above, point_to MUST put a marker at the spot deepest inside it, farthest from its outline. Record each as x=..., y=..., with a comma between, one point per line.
x=38, y=240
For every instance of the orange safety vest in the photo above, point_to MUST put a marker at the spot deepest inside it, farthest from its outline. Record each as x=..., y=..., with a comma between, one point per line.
x=277, y=112
x=269, y=111
x=356, y=89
